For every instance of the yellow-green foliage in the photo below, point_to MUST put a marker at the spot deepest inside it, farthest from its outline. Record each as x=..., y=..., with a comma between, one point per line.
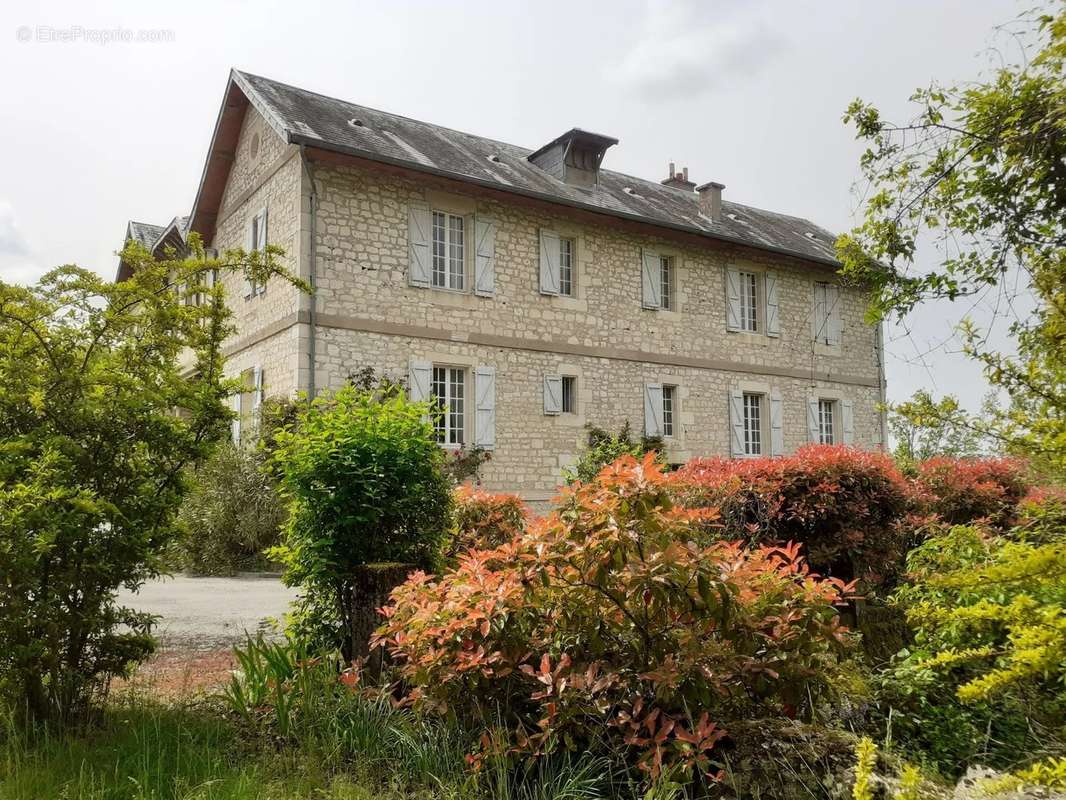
x=988, y=610
x=865, y=760
x=910, y=783
x=1050, y=773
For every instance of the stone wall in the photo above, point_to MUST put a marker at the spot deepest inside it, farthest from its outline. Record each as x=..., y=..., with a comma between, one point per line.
x=368, y=315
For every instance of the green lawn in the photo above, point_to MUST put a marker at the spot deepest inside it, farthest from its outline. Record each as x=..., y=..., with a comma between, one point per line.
x=145, y=750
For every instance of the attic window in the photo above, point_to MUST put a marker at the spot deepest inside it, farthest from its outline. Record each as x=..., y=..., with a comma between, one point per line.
x=809, y=235
x=494, y=158
x=631, y=191
x=254, y=146
x=355, y=123
x=732, y=216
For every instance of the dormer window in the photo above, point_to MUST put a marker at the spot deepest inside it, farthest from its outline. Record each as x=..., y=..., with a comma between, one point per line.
x=574, y=157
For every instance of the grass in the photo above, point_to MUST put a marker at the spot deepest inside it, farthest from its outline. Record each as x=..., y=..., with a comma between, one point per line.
x=145, y=750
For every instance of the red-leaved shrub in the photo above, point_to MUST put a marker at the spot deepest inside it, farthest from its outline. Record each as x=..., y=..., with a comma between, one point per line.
x=962, y=490
x=617, y=616
x=484, y=520
x=845, y=505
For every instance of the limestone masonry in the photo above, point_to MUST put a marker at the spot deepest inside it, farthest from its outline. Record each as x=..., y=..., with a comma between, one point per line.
x=531, y=296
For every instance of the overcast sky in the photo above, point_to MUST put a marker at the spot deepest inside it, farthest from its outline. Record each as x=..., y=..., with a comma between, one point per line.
x=750, y=94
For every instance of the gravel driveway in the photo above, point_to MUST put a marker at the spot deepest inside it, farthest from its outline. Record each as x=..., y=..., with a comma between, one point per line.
x=210, y=613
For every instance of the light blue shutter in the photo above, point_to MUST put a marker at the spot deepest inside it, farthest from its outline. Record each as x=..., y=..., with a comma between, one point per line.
x=736, y=423
x=485, y=394
x=777, y=430
x=249, y=245
x=420, y=374
x=261, y=243
x=732, y=300
x=485, y=261
x=651, y=280
x=549, y=262
x=834, y=325
x=235, y=424
x=419, y=234
x=773, y=318
x=653, y=409
x=847, y=414
x=257, y=395
x=813, y=427
x=553, y=394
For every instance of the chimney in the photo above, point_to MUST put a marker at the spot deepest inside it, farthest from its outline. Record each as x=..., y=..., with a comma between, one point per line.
x=679, y=180
x=711, y=200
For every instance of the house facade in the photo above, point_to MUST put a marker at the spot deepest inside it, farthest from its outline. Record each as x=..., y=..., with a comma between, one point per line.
x=532, y=293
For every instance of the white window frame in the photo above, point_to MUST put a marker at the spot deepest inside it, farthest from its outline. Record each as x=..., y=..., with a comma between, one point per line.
x=567, y=262
x=447, y=277
x=667, y=281
x=827, y=420
x=450, y=431
x=670, y=410
x=754, y=434
x=750, y=321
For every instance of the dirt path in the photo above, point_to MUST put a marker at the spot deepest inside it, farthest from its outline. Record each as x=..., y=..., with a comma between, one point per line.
x=201, y=620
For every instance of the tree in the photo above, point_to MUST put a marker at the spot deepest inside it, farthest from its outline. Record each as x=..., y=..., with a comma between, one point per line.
x=923, y=427
x=366, y=483
x=980, y=171
x=98, y=423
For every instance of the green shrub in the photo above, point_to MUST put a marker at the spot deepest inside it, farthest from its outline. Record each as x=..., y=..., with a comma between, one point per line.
x=231, y=514
x=605, y=448
x=364, y=476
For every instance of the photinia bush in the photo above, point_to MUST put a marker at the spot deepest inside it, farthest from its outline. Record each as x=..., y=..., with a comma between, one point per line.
x=963, y=490
x=484, y=520
x=846, y=506
x=617, y=616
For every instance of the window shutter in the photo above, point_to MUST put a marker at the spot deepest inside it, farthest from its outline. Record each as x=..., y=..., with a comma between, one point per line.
x=818, y=320
x=419, y=232
x=847, y=421
x=653, y=409
x=813, y=428
x=777, y=429
x=257, y=394
x=732, y=300
x=736, y=422
x=485, y=257
x=235, y=425
x=261, y=243
x=650, y=280
x=420, y=374
x=833, y=323
x=549, y=262
x=249, y=246
x=553, y=394
x=485, y=390
x=773, y=319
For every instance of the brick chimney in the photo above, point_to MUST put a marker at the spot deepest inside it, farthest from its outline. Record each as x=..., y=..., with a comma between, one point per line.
x=711, y=200
x=679, y=180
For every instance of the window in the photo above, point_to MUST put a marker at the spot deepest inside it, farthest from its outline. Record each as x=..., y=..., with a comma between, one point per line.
x=566, y=267
x=669, y=406
x=257, y=242
x=749, y=301
x=825, y=421
x=752, y=424
x=569, y=404
x=449, y=251
x=666, y=282
x=449, y=392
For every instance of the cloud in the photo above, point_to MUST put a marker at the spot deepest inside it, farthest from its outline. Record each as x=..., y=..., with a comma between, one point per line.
x=690, y=47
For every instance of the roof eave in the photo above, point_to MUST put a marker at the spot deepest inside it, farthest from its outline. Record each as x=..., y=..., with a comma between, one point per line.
x=292, y=137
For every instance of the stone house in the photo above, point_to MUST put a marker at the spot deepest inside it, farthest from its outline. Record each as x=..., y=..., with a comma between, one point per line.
x=533, y=293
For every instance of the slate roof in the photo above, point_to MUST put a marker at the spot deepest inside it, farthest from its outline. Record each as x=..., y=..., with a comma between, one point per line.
x=314, y=120
x=144, y=233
